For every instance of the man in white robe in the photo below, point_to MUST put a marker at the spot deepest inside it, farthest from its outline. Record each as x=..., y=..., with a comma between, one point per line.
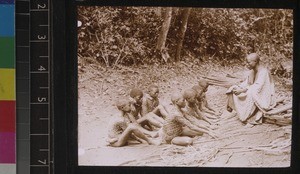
x=256, y=95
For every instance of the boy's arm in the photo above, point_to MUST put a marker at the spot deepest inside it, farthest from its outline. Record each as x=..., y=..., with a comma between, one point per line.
x=195, y=128
x=132, y=118
x=208, y=109
x=144, y=109
x=205, y=107
x=201, y=115
x=199, y=129
x=187, y=123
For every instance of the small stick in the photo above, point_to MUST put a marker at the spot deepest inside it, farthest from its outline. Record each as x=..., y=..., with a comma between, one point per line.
x=230, y=155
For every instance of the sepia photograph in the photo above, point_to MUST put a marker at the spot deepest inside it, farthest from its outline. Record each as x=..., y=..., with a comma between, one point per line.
x=184, y=86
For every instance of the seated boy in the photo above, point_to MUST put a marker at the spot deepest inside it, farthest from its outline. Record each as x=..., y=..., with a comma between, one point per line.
x=204, y=104
x=151, y=103
x=136, y=97
x=200, y=100
x=120, y=132
x=177, y=130
x=147, y=119
x=179, y=105
x=192, y=109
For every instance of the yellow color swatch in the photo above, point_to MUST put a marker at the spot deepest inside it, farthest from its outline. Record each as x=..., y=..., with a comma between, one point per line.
x=7, y=84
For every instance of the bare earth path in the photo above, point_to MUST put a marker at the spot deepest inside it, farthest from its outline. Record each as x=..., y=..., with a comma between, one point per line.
x=265, y=145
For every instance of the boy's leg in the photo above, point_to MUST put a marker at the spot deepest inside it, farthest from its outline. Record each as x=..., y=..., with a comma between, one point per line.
x=182, y=141
x=145, y=123
x=191, y=133
x=161, y=110
x=138, y=131
x=149, y=120
x=152, y=117
x=145, y=131
x=122, y=140
x=127, y=133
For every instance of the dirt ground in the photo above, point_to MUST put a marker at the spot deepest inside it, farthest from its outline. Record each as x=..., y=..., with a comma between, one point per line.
x=238, y=145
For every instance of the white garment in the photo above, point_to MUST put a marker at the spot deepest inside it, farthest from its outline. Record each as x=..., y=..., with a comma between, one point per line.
x=260, y=94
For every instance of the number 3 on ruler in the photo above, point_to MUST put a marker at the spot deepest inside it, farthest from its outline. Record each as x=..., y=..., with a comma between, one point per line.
x=41, y=37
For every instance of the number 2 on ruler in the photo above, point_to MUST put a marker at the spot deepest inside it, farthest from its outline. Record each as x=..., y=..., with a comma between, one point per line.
x=41, y=6
x=43, y=162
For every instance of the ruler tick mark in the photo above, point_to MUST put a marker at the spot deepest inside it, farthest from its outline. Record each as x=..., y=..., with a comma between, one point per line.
x=44, y=119
x=44, y=150
x=39, y=165
x=22, y=61
x=38, y=10
x=38, y=40
x=39, y=103
x=25, y=14
x=39, y=72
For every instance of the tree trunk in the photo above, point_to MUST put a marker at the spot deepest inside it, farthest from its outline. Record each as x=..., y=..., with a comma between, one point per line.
x=164, y=29
x=158, y=11
x=184, y=21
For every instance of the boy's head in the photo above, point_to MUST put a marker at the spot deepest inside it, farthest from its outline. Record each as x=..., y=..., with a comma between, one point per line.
x=136, y=94
x=177, y=99
x=153, y=91
x=124, y=105
x=203, y=84
x=199, y=90
x=190, y=95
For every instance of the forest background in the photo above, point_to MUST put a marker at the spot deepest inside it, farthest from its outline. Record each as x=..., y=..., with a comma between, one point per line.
x=155, y=35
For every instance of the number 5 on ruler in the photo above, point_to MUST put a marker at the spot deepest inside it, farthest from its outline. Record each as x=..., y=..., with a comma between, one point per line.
x=42, y=99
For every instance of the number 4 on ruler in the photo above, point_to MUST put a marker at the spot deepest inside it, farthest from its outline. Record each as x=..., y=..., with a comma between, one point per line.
x=42, y=68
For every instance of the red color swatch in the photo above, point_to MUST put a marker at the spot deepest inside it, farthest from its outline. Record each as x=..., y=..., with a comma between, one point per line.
x=7, y=116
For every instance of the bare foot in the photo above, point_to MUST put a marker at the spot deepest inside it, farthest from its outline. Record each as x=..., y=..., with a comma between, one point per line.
x=152, y=134
x=154, y=142
x=229, y=109
x=112, y=140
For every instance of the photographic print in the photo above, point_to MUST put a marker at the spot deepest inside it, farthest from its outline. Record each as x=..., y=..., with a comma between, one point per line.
x=184, y=87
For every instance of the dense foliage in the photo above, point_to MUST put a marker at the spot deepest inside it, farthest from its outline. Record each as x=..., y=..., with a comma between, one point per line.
x=128, y=35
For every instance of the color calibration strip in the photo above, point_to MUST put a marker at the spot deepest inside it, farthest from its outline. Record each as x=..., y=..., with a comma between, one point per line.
x=7, y=88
